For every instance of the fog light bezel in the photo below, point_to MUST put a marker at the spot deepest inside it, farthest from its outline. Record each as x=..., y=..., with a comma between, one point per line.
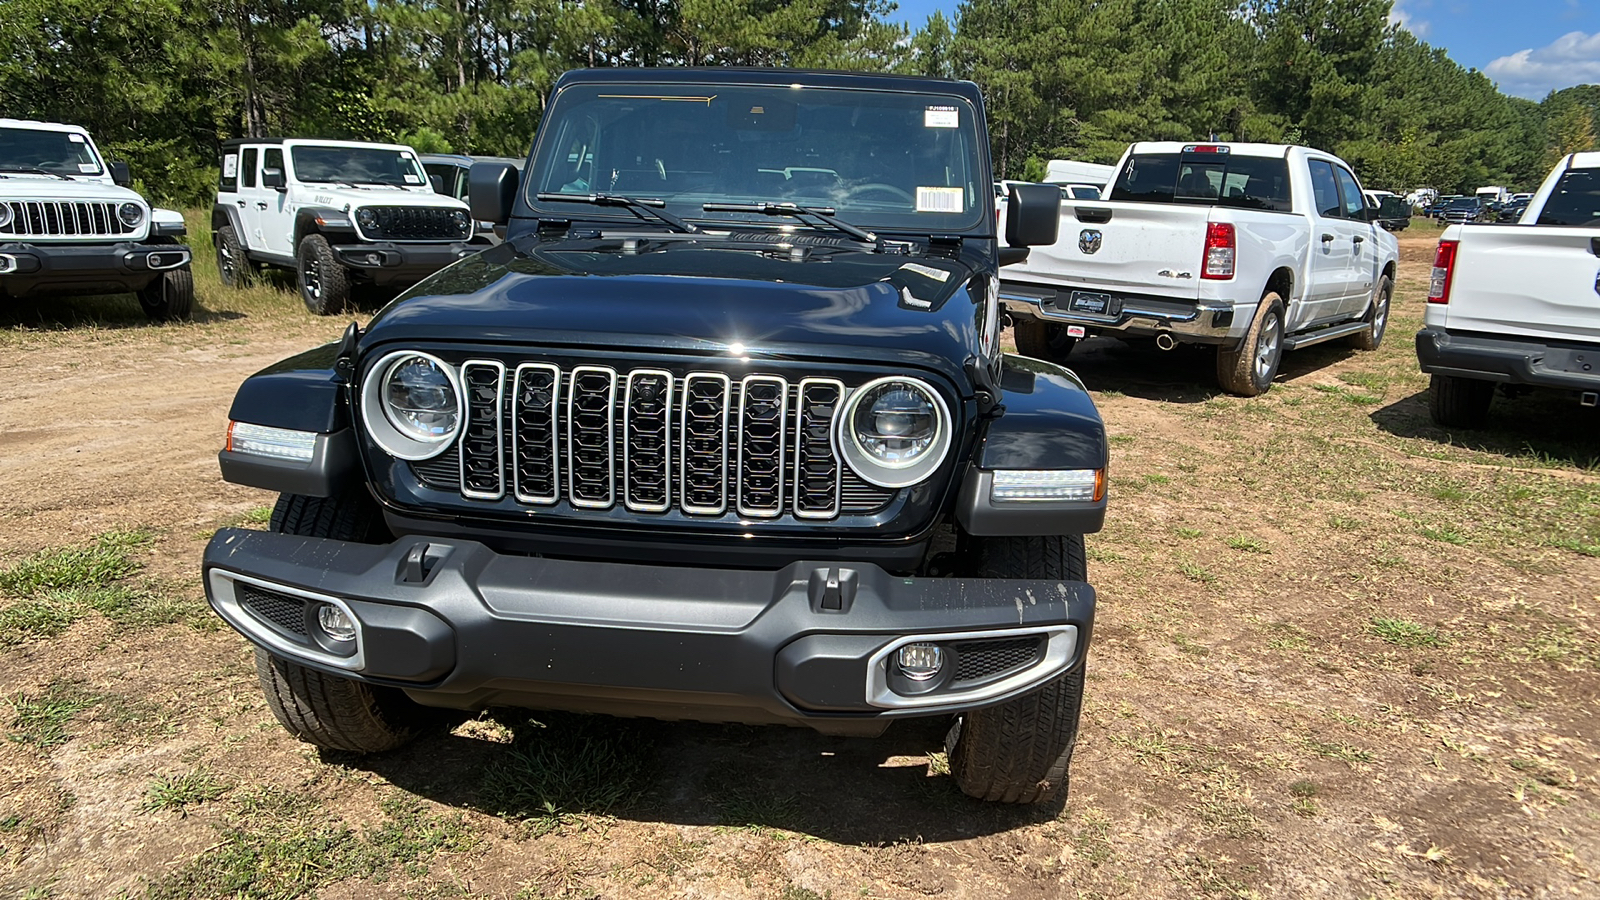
x=884, y=691
x=226, y=602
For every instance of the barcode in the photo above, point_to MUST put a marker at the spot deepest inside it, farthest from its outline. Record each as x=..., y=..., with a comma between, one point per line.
x=940, y=199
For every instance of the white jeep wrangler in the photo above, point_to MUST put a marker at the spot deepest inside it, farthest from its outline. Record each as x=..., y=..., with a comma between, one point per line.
x=70, y=225
x=340, y=213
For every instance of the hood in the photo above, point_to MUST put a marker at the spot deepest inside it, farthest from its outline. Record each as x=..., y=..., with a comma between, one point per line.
x=43, y=187
x=699, y=298
x=354, y=198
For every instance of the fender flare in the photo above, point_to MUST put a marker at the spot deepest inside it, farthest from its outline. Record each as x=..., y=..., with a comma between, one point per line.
x=322, y=220
x=302, y=393
x=223, y=214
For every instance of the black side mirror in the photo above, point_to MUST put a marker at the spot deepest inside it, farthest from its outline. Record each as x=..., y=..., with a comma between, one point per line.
x=1033, y=215
x=436, y=183
x=120, y=176
x=492, y=189
x=273, y=178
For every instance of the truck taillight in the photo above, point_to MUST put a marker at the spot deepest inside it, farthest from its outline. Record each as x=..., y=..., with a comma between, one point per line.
x=1444, y=270
x=1220, y=251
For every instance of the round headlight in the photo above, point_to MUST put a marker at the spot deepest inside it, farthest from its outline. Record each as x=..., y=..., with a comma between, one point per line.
x=463, y=222
x=5, y=214
x=894, y=431
x=131, y=214
x=411, y=405
x=367, y=218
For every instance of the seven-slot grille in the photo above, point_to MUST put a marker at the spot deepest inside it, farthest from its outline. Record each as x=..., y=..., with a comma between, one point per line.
x=414, y=223
x=64, y=218
x=650, y=441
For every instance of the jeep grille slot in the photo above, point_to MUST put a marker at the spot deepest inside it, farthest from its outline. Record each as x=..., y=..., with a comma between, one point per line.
x=647, y=446
x=704, y=449
x=535, y=451
x=51, y=218
x=412, y=223
x=816, y=468
x=763, y=416
x=591, y=464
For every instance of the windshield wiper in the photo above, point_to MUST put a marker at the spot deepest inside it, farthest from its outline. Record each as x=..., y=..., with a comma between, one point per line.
x=643, y=207
x=33, y=170
x=823, y=214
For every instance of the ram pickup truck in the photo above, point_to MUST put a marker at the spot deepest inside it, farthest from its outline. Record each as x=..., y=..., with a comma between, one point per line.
x=1518, y=306
x=1251, y=248
x=721, y=431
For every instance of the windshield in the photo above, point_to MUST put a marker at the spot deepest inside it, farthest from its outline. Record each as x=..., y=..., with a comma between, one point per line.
x=1211, y=179
x=1575, y=202
x=56, y=152
x=356, y=165
x=1464, y=203
x=881, y=159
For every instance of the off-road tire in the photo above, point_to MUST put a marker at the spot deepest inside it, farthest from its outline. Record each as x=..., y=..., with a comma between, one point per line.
x=1042, y=340
x=233, y=267
x=323, y=282
x=1456, y=402
x=1248, y=370
x=322, y=709
x=1377, y=317
x=169, y=296
x=1020, y=751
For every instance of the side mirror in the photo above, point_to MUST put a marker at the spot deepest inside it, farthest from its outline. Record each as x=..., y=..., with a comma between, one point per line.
x=1033, y=215
x=273, y=178
x=120, y=176
x=492, y=191
x=437, y=183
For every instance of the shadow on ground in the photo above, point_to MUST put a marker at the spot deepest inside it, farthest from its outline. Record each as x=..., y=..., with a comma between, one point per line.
x=1185, y=374
x=109, y=312
x=1548, y=426
x=845, y=790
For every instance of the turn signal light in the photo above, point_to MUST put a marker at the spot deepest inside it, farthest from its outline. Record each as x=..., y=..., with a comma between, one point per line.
x=1444, y=271
x=1221, y=248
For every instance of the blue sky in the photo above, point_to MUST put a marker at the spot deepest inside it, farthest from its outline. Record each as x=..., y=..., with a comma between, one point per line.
x=1528, y=47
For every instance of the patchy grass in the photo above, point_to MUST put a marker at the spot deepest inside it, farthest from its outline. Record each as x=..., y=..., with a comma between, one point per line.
x=42, y=719
x=97, y=564
x=563, y=766
x=178, y=792
x=1403, y=633
x=57, y=587
x=1248, y=544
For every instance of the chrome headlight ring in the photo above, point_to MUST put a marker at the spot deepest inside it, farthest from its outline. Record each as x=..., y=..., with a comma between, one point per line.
x=380, y=420
x=131, y=214
x=874, y=469
x=5, y=214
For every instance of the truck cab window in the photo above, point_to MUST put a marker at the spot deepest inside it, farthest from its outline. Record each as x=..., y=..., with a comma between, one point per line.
x=1355, y=204
x=1325, y=190
x=1575, y=202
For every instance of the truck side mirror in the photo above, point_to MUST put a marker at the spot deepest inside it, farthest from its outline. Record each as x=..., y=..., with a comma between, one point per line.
x=273, y=178
x=120, y=176
x=437, y=183
x=1033, y=214
x=492, y=191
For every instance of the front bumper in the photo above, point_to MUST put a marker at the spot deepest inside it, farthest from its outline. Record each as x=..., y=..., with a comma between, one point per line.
x=389, y=263
x=1197, y=322
x=458, y=625
x=1567, y=365
x=32, y=268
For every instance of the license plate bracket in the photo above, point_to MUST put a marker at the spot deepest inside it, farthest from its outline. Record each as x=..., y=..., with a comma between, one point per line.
x=1094, y=303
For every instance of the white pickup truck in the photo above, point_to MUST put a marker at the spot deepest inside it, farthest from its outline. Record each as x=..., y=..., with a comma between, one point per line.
x=1518, y=305
x=1253, y=248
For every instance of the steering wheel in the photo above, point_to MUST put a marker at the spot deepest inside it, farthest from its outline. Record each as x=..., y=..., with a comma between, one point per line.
x=880, y=187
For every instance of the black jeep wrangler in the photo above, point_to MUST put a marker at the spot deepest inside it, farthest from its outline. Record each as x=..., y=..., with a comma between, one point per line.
x=721, y=432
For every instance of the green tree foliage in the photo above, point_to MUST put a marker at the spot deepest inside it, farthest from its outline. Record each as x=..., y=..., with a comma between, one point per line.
x=162, y=82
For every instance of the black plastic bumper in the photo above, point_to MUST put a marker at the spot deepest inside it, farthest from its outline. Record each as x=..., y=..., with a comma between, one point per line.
x=27, y=269
x=1568, y=365
x=399, y=264
x=457, y=625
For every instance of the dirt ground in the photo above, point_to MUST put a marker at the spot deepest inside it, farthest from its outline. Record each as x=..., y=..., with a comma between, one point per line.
x=1339, y=653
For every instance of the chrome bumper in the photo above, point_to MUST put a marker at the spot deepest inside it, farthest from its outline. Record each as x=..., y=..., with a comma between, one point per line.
x=1202, y=322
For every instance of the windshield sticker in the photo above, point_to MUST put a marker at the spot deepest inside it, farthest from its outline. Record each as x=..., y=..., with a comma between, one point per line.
x=75, y=138
x=413, y=179
x=941, y=117
x=230, y=165
x=941, y=199
x=88, y=168
x=938, y=275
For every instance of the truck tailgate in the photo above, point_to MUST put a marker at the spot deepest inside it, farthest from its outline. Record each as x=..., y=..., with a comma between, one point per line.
x=1137, y=243
x=1536, y=281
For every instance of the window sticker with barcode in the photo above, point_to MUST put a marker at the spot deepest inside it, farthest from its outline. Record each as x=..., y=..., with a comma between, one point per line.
x=941, y=199
x=941, y=117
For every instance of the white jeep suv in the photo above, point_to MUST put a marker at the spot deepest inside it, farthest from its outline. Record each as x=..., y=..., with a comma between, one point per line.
x=70, y=225
x=340, y=213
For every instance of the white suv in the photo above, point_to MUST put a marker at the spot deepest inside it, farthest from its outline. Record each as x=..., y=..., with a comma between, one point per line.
x=70, y=225
x=340, y=213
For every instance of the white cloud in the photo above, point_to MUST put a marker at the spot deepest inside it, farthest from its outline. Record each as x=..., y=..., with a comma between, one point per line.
x=1574, y=58
x=1408, y=20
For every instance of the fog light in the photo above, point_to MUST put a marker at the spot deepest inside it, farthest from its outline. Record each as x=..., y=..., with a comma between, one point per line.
x=920, y=662
x=335, y=623
x=1038, y=485
x=7, y=263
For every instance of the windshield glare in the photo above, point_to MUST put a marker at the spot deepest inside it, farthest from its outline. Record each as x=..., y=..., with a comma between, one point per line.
x=881, y=159
x=57, y=152
x=356, y=165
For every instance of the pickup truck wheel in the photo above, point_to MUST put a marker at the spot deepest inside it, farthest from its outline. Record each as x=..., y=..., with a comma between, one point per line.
x=1377, y=317
x=1042, y=340
x=1020, y=750
x=232, y=266
x=170, y=296
x=324, y=284
x=1248, y=370
x=1459, y=402
x=322, y=709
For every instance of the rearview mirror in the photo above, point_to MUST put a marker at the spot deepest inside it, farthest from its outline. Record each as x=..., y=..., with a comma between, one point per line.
x=120, y=176
x=273, y=178
x=492, y=191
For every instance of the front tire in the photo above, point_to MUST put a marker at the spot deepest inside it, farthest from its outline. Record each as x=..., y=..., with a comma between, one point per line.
x=1377, y=317
x=1042, y=340
x=324, y=284
x=233, y=268
x=330, y=711
x=1248, y=369
x=1020, y=751
x=1459, y=402
x=169, y=297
